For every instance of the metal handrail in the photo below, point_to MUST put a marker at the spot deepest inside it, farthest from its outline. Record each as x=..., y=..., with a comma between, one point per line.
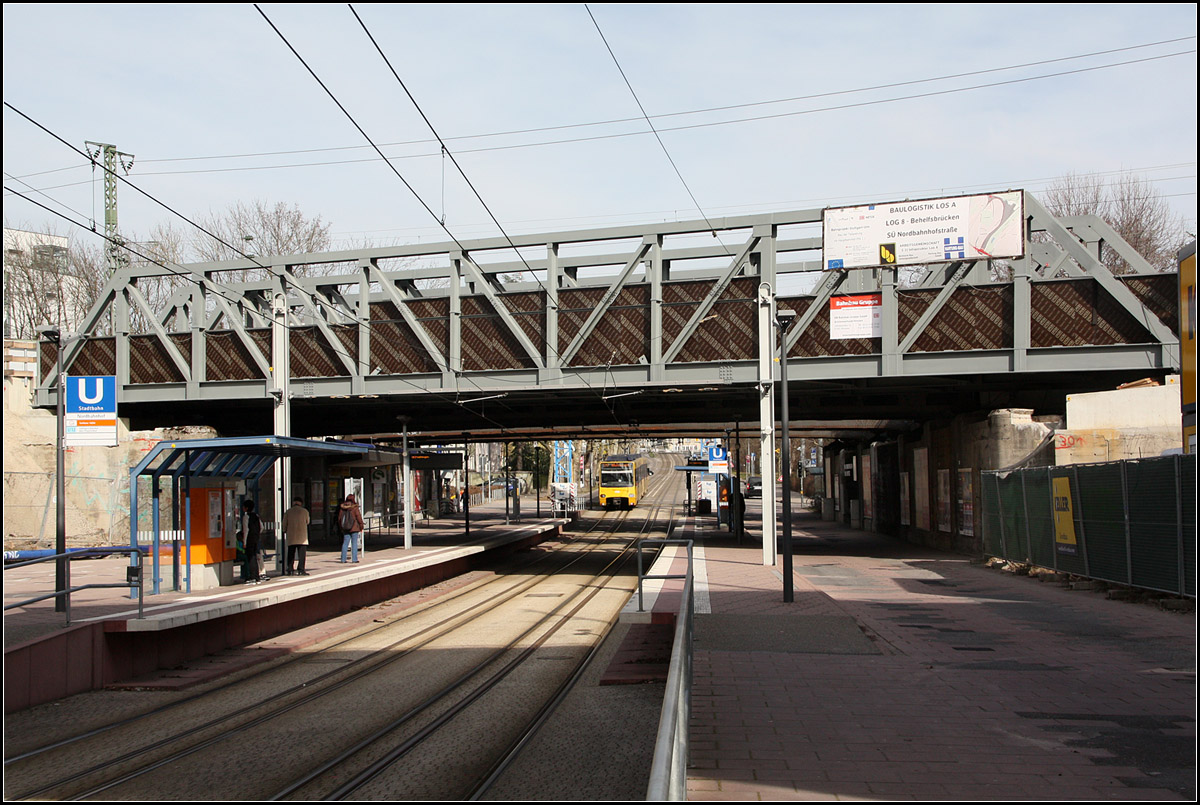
x=134, y=577
x=668, y=770
x=642, y=576
x=382, y=522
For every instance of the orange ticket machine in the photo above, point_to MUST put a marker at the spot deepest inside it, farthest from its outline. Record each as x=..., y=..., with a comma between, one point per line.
x=211, y=508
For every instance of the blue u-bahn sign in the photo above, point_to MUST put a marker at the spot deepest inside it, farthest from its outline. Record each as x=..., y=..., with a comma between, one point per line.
x=90, y=408
x=718, y=460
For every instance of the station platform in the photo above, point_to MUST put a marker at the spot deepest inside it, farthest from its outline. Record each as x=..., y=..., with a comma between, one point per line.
x=108, y=645
x=898, y=672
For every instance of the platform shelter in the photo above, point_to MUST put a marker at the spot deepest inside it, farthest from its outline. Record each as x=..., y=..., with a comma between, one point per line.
x=209, y=480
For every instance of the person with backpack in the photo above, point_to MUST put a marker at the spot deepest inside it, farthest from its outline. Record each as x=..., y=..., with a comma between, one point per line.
x=350, y=521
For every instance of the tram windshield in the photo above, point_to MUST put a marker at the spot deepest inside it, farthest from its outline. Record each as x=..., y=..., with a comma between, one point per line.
x=616, y=477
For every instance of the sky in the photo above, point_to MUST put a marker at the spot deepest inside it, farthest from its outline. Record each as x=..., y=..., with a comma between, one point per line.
x=217, y=109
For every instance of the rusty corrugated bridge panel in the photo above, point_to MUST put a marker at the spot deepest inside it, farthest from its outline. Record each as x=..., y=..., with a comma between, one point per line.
x=600, y=330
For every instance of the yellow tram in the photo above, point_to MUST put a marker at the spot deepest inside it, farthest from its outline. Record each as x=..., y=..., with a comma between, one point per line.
x=623, y=480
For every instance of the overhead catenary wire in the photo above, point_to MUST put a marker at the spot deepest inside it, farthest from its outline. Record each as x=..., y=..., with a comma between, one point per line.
x=216, y=288
x=392, y=167
x=316, y=298
x=650, y=123
x=820, y=202
x=213, y=284
x=662, y=115
x=445, y=150
x=53, y=200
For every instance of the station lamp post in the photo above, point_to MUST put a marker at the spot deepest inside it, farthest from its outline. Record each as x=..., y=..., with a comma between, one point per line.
x=732, y=468
x=466, y=494
x=783, y=320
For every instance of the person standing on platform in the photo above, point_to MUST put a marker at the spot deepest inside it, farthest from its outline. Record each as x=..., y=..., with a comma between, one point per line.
x=351, y=522
x=251, y=530
x=295, y=531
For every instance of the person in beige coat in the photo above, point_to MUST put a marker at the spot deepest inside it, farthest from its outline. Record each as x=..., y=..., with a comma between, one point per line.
x=295, y=531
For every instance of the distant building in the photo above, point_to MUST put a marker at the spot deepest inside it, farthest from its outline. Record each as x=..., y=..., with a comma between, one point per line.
x=49, y=248
x=37, y=288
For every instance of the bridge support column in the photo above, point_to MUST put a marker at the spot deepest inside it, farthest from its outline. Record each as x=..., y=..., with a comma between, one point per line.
x=281, y=375
x=766, y=417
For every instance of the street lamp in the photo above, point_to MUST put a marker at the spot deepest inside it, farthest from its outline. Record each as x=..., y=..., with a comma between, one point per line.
x=53, y=334
x=783, y=320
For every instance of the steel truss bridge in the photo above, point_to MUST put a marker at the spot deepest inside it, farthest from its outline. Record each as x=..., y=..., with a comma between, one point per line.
x=659, y=328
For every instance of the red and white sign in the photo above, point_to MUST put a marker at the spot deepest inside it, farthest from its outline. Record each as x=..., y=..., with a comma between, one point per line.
x=858, y=316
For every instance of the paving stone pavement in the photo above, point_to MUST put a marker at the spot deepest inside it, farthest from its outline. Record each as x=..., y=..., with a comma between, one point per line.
x=973, y=683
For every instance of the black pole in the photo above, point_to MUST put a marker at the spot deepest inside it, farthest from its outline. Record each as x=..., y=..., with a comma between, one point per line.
x=730, y=474
x=60, y=505
x=737, y=441
x=537, y=481
x=784, y=319
x=466, y=498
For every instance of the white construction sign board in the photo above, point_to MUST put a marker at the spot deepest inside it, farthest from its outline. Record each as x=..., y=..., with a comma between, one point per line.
x=857, y=316
x=935, y=230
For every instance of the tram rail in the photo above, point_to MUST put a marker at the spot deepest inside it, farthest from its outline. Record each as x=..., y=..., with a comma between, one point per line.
x=119, y=773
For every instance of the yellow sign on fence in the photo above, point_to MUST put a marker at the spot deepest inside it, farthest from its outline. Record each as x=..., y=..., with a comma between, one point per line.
x=1064, y=517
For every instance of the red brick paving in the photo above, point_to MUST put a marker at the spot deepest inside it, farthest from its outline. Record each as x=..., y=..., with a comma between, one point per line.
x=959, y=701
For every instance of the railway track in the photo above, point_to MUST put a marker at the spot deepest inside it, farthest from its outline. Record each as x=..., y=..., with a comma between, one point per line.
x=431, y=705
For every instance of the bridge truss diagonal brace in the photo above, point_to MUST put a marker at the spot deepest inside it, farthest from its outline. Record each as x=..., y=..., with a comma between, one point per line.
x=714, y=294
x=610, y=296
x=176, y=305
x=290, y=282
x=484, y=284
x=400, y=299
x=1100, y=230
x=960, y=272
x=822, y=293
x=181, y=363
x=102, y=303
x=234, y=317
x=234, y=321
x=1090, y=266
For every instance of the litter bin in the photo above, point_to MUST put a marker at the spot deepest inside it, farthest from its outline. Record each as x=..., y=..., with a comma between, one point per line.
x=704, y=506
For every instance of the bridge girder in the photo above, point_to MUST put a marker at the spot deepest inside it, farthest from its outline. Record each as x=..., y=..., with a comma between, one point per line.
x=652, y=324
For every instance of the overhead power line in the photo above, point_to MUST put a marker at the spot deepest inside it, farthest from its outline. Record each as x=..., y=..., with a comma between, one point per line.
x=445, y=149
x=650, y=123
x=213, y=285
x=660, y=116
x=411, y=189
x=221, y=290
